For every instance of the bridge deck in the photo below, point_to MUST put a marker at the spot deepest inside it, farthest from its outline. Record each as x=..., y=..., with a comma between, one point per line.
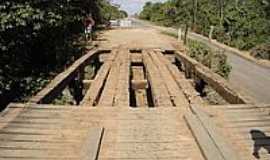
x=55, y=132
x=138, y=106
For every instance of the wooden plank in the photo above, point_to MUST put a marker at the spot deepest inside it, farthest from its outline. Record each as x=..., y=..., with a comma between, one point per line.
x=175, y=92
x=139, y=84
x=122, y=94
x=61, y=80
x=93, y=93
x=87, y=83
x=216, y=136
x=109, y=91
x=136, y=57
x=140, y=89
x=160, y=93
x=191, y=94
x=91, y=147
x=205, y=142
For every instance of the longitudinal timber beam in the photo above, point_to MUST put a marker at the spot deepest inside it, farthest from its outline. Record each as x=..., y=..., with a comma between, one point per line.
x=58, y=84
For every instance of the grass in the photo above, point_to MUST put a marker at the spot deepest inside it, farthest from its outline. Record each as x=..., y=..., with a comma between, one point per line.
x=175, y=35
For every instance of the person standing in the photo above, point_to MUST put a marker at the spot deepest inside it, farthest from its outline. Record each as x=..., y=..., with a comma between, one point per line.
x=88, y=25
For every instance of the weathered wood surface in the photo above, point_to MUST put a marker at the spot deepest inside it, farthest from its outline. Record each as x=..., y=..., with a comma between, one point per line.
x=58, y=138
x=93, y=93
x=160, y=93
x=216, y=136
x=122, y=95
x=208, y=147
x=65, y=132
x=176, y=94
x=118, y=131
x=189, y=91
x=238, y=121
x=139, y=83
x=110, y=87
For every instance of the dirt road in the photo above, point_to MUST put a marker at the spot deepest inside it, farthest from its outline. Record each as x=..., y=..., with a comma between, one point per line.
x=135, y=38
x=246, y=76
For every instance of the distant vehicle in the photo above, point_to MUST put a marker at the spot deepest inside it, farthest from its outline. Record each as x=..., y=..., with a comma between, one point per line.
x=121, y=23
x=114, y=23
x=125, y=23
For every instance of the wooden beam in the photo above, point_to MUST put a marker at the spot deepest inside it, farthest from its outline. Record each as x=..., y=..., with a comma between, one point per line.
x=176, y=94
x=122, y=94
x=93, y=93
x=110, y=87
x=219, y=84
x=58, y=84
x=139, y=84
x=87, y=83
x=160, y=93
x=207, y=146
x=136, y=57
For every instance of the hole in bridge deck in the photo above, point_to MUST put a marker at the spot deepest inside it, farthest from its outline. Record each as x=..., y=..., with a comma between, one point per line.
x=140, y=90
x=76, y=89
x=135, y=51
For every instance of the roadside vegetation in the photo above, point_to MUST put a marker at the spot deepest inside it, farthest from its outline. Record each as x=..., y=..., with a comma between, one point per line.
x=241, y=24
x=215, y=60
x=39, y=39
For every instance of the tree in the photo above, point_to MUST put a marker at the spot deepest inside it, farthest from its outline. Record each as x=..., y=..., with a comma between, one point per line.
x=239, y=23
x=37, y=38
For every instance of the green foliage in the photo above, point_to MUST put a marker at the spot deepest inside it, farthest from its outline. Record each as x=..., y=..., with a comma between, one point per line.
x=109, y=12
x=214, y=60
x=37, y=39
x=241, y=24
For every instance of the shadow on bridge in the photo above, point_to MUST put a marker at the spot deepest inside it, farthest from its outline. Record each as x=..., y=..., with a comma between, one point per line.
x=261, y=141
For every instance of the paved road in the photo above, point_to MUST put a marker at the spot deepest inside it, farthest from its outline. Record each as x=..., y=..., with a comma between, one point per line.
x=246, y=76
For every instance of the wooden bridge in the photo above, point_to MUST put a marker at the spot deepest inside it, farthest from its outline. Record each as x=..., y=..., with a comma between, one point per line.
x=140, y=104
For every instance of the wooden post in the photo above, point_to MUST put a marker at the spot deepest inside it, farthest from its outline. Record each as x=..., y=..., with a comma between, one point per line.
x=211, y=33
x=179, y=34
x=186, y=34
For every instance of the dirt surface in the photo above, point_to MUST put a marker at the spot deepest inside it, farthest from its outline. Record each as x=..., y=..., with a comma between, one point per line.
x=134, y=38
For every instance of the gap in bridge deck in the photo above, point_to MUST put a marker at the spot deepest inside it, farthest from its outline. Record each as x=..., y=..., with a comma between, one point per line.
x=139, y=89
x=76, y=89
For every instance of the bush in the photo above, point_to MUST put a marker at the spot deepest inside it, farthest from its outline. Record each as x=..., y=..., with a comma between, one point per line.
x=216, y=61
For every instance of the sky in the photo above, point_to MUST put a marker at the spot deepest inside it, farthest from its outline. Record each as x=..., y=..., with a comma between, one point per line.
x=133, y=6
